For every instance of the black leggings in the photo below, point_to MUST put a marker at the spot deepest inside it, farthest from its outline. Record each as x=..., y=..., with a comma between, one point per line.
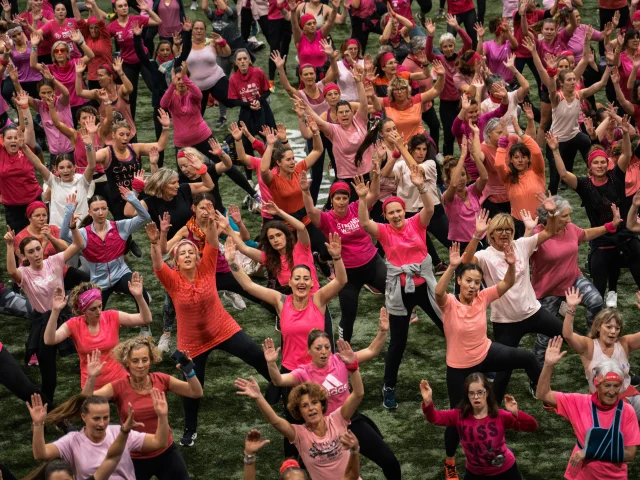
x=14, y=378
x=157, y=127
x=373, y=273
x=399, y=328
x=448, y=112
x=169, y=465
x=430, y=118
x=74, y=277
x=468, y=19
x=16, y=216
x=373, y=446
x=133, y=71
x=510, y=334
x=279, y=38
x=568, y=151
x=512, y=474
x=425, y=5
x=499, y=357
x=122, y=286
x=438, y=227
x=239, y=345
x=219, y=91
x=602, y=261
x=246, y=20
x=318, y=242
x=317, y=169
x=362, y=27
x=521, y=62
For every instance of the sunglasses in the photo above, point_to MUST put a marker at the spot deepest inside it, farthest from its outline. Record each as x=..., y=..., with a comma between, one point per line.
x=60, y=50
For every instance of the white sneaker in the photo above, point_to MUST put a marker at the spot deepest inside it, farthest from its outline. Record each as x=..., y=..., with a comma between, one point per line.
x=164, y=344
x=194, y=6
x=235, y=299
x=611, y=300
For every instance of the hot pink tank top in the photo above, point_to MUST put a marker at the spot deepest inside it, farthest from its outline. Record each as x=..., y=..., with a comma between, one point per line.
x=295, y=326
x=311, y=51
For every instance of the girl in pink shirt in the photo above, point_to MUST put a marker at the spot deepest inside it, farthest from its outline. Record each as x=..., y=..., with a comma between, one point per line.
x=469, y=350
x=308, y=38
x=478, y=413
x=332, y=372
x=583, y=411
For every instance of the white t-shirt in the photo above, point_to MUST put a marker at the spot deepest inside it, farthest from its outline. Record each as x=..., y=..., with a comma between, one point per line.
x=489, y=105
x=85, y=457
x=520, y=302
x=61, y=190
x=407, y=190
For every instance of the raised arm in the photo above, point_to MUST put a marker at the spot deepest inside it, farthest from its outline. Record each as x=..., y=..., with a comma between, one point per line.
x=159, y=439
x=576, y=341
x=632, y=216
x=331, y=289
x=295, y=22
x=41, y=451
x=303, y=236
x=265, y=164
x=53, y=335
x=144, y=316
x=450, y=192
x=376, y=346
x=284, y=81
x=314, y=213
x=328, y=24
x=352, y=402
x=551, y=358
x=368, y=225
x=510, y=277
x=271, y=357
x=156, y=254
x=567, y=177
x=445, y=279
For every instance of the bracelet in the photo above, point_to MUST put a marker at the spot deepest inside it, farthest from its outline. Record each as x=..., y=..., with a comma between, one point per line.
x=249, y=459
x=609, y=64
x=475, y=237
x=335, y=259
x=222, y=43
x=571, y=312
x=40, y=424
x=166, y=128
x=315, y=134
x=610, y=227
x=88, y=148
x=202, y=170
x=355, y=451
x=191, y=374
x=25, y=107
x=285, y=142
x=422, y=192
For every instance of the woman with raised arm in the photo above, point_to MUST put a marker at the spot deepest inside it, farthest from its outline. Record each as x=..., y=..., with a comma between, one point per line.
x=203, y=323
x=597, y=417
x=113, y=81
x=61, y=28
x=410, y=281
x=137, y=355
x=86, y=449
x=104, y=242
x=95, y=328
x=600, y=192
x=121, y=30
x=477, y=412
x=331, y=371
x=95, y=33
x=307, y=403
x=38, y=280
x=20, y=72
x=604, y=340
x=518, y=312
x=469, y=350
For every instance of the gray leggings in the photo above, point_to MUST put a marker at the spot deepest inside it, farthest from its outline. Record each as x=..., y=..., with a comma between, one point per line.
x=592, y=301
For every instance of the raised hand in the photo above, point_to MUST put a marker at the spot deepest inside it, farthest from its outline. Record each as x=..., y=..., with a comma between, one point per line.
x=426, y=392
x=253, y=442
x=482, y=223
x=9, y=237
x=248, y=388
x=529, y=44
x=465, y=102
x=529, y=222
x=334, y=246
x=152, y=232
x=573, y=297
x=430, y=26
x=277, y=59
x=455, y=258
x=271, y=208
x=159, y=402
x=383, y=323
x=281, y=132
x=136, y=285
x=234, y=213
x=235, y=131
x=230, y=250
x=617, y=220
x=510, y=405
x=304, y=181
x=452, y=21
x=154, y=155
x=94, y=363
x=130, y=423
x=554, y=351
x=346, y=354
x=37, y=410
x=548, y=203
x=417, y=176
x=479, y=29
x=59, y=300
x=509, y=254
x=271, y=353
x=164, y=118
x=215, y=148
x=361, y=187
x=438, y=67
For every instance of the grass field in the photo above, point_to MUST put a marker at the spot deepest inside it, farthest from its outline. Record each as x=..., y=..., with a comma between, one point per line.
x=225, y=418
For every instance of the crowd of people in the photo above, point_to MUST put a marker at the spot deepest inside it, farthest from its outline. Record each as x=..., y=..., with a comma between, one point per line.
x=76, y=183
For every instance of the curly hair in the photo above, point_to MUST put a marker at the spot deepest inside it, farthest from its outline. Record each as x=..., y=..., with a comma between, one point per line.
x=462, y=64
x=450, y=162
x=315, y=392
x=77, y=290
x=273, y=263
x=122, y=351
x=398, y=84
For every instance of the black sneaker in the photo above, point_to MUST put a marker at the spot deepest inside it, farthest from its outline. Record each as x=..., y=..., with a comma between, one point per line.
x=135, y=249
x=635, y=379
x=189, y=437
x=220, y=122
x=389, y=398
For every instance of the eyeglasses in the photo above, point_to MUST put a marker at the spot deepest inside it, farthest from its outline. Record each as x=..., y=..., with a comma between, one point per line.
x=60, y=50
x=478, y=394
x=504, y=230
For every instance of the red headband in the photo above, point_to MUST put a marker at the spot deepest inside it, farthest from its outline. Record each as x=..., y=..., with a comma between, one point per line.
x=353, y=41
x=609, y=377
x=636, y=15
x=594, y=154
x=287, y=464
x=305, y=65
x=329, y=87
x=385, y=58
x=181, y=154
x=567, y=53
x=109, y=69
x=307, y=17
x=34, y=206
x=476, y=57
x=391, y=200
x=336, y=187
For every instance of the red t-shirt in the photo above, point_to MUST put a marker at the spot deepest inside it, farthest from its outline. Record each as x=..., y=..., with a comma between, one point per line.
x=456, y=7
x=532, y=17
x=124, y=37
x=107, y=338
x=123, y=395
x=55, y=33
x=45, y=45
x=18, y=182
x=248, y=87
x=100, y=46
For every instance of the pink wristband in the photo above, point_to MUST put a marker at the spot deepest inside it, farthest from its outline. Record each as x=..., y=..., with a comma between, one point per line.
x=138, y=185
x=222, y=43
x=352, y=367
x=610, y=227
x=202, y=170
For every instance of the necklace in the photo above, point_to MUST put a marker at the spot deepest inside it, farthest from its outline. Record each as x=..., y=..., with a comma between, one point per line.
x=144, y=385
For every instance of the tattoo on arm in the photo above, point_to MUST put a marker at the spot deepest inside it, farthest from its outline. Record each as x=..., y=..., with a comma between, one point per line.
x=234, y=267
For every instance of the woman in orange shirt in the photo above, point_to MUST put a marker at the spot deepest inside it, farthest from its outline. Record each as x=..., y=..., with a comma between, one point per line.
x=523, y=176
x=203, y=323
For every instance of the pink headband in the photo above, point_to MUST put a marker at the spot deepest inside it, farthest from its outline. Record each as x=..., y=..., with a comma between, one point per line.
x=391, y=200
x=385, y=58
x=92, y=20
x=636, y=15
x=567, y=53
x=307, y=17
x=329, y=87
x=476, y=57
x=185, y=242
x=34, y=206
x=336, y=187
x=87, y=298
x=353, y=41
x=287, y=464
x=594, y=154
x=609, y=377
x=181, y=154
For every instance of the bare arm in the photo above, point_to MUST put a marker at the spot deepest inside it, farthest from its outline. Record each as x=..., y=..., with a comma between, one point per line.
x=352, y=402
x=552, y=357
x=331, y=289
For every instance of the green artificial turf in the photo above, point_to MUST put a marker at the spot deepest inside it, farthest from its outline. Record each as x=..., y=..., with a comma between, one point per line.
x=225, y=417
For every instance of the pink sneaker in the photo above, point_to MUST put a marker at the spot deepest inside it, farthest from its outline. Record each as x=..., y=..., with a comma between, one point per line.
x=33, y=361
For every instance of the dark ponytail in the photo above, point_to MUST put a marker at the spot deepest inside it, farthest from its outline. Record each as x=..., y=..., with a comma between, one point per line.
x=370, y=138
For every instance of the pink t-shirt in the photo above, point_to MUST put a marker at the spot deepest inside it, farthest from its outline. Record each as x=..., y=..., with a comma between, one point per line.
x=334, y=378
x=575, y=42
x=106, y=338
x=124, y=37
x=39, y=285
x=576, y=407
x=295, y=326
x=66, y=75
x=85, y=457
x=55, y=33
x=58, y=143
x=462, y=217
x=357, y=247
x=465, y=328
x=404, y=246
x=554, y=264
x=345, y=146
x=324, y=457
x=189, y=128
x=302, y=255
x=265, y=193
x=310, y=51
x=170, y=16
x=495, y=56
x=403, y=8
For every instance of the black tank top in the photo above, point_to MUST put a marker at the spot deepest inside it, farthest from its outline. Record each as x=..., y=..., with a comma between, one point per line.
x=121, y=172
